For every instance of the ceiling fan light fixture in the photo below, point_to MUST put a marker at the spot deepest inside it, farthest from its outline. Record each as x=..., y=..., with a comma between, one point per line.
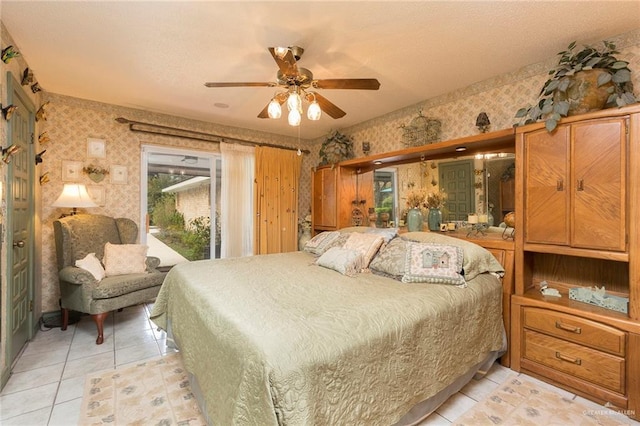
x=314, y=112
x=274, y=110
x=293, y=82
x=294, y=102
x=281, y=51
x=294, y=117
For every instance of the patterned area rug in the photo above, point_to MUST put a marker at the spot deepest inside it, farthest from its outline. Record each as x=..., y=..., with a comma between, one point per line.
x=153, y=392
x=520, y=402
x=157, y=392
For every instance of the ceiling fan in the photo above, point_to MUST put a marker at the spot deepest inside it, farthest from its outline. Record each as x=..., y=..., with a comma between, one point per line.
x=298, y=81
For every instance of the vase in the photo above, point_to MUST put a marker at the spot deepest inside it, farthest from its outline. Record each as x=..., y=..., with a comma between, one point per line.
x=584, y=95
x=384, y=218
x=304, y=238
x=373, y=218
x=414, y=220
x=490, y=218
x=434, y=219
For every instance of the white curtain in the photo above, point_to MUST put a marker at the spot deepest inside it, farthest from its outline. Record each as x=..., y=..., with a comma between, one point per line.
x=236, y=215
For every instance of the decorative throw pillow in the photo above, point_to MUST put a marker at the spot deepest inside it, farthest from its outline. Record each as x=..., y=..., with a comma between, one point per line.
x=92, y=264
x=347, y=262
x=387, y=233
x=366, y=244
x=350, y=229
x=120, y=259
x=318, y=244
x=433, y=263
x=390, y=260
x=477, y=260
x=339, y=242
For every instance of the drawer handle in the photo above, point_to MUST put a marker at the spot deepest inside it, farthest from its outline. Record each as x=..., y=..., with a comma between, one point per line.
x=580, y=185
x=576, y=361
x=560, y=184
x=570, y=328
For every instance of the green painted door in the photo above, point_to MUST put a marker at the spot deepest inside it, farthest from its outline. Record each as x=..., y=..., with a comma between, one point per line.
x=20, y=223
x=456, y=179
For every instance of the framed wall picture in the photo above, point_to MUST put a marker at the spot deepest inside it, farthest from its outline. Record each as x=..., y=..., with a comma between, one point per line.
x=96, y=148
x=97, y=193
x=118, y=174
x=71, y=171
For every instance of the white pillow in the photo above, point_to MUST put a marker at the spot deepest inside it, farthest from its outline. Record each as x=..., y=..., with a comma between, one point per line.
x=347, y=262
x=92, y=264
x=366, y=244
x=319, y=244
x=120, y=259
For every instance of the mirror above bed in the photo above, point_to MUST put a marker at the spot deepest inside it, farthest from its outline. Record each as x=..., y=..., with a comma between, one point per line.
x=476, y=184
x=476, y=173
x=344, y=194
x=483, y=184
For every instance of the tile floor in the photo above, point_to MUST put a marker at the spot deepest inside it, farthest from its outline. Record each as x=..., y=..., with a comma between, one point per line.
x=46, y=385
x=48, y=379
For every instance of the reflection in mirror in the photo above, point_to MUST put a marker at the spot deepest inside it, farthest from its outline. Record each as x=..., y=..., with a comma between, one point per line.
x=482, y=184
x=500, y=174
x=457, y=180
x=385, y=196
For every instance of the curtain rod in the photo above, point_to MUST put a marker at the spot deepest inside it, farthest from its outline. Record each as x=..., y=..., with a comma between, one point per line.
x=157, y=129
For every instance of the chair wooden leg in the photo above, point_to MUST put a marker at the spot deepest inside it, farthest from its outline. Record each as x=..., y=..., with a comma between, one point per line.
x=65, y=318
x=99, y=320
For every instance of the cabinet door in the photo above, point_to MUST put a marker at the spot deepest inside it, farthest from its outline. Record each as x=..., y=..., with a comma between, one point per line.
x=507, y=196
x=545, y=188
x=324, y=198
x=598, y=184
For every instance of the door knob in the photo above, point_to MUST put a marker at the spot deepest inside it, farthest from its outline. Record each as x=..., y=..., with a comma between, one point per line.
x=18, y=244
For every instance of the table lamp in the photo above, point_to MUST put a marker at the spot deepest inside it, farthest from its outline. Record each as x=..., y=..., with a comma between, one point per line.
x=74, y=195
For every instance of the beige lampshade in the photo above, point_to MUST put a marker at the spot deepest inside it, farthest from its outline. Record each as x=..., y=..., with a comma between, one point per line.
x=74, y=195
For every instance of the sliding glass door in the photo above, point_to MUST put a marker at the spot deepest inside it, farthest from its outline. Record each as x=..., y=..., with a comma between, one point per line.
x=180, y=204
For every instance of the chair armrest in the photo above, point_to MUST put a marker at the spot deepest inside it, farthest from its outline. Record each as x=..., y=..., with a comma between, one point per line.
x=75, y=275
x=152, y=263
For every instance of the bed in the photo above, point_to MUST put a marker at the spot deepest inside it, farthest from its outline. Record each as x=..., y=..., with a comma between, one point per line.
x=278, y=339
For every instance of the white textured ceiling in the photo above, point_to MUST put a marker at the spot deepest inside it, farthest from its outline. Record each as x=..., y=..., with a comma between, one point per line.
x=156, y=56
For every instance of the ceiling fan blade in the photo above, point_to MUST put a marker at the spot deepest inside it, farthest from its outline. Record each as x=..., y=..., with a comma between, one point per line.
x=244, y=84
x=265, y=112
x=329, y=107
x=347, y=83
x=286, y=63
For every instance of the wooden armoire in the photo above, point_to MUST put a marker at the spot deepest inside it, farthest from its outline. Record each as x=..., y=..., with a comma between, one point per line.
x=577, y=191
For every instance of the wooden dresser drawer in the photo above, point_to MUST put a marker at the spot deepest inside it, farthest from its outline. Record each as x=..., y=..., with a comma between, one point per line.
x=575, y=329
x=594, y=366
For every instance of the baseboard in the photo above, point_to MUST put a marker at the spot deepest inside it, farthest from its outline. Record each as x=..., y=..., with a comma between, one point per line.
x=54, y=319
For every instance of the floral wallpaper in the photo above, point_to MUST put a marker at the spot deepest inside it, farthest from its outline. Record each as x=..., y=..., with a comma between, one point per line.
x=70, y=121
x=500, y=98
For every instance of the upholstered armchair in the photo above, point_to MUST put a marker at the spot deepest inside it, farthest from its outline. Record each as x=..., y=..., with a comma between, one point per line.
x=128, y=278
